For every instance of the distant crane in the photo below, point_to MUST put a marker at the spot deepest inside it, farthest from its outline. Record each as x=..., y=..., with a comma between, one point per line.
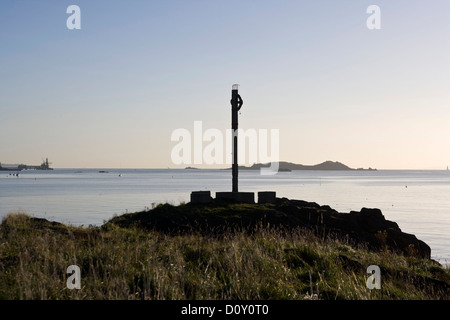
x=45, y=164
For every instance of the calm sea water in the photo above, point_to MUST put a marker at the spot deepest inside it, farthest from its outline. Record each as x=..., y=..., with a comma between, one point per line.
x=419, y=201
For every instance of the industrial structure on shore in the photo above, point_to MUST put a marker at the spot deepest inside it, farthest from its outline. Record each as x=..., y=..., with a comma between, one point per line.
x=45, y=165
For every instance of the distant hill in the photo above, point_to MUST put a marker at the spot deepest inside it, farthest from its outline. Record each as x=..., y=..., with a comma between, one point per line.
x=288, y=166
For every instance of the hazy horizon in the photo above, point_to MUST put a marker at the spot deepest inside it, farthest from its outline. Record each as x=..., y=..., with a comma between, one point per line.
x=110, y=94
x=218, y=167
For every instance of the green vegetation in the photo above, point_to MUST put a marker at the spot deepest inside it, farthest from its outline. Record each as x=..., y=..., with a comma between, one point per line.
x=131, y=262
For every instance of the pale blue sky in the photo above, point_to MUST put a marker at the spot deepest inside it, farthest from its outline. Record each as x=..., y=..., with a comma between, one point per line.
x=111, y=94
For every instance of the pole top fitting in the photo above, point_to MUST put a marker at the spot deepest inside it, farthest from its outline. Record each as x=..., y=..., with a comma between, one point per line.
x=235, y=87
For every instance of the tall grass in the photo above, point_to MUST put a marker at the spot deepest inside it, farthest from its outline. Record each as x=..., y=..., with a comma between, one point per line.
x=119, y=263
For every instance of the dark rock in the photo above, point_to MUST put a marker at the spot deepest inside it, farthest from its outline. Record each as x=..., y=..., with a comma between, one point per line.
x=366, y=227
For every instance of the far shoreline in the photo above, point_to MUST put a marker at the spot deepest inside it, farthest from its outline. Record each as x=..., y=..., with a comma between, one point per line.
x=222, y=169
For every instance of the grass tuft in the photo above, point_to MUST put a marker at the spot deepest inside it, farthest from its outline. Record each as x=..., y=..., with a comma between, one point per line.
x=134, y=263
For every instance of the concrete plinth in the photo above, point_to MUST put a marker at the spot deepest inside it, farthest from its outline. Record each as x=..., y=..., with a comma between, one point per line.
x=266, y=196
x=244, y=197
x=201, y=197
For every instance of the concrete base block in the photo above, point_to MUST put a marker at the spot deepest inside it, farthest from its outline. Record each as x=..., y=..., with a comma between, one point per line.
x=201, y=197
x=267, y=196
x=244, y=197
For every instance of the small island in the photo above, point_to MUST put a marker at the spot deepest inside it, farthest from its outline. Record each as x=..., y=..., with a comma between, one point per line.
x=289, y=166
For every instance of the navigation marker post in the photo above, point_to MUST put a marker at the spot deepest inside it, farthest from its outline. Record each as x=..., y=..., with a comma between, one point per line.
x=202, y=197
x=236, y=104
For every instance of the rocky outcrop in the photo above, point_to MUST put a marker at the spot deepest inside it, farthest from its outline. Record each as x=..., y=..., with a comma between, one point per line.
x=367, y=227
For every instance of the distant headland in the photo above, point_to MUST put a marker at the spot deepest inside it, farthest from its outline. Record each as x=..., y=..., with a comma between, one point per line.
x=289, y=166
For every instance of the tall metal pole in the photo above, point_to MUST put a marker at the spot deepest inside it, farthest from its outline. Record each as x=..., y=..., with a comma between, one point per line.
x=236, y=104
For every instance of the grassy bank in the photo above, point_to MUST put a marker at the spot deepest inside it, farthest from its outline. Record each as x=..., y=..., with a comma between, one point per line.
x=134, y=263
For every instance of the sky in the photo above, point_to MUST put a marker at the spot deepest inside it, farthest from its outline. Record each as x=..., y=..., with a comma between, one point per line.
x=110, y=95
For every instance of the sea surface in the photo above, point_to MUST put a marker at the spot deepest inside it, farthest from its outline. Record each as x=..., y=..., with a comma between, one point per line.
x=419, y=201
